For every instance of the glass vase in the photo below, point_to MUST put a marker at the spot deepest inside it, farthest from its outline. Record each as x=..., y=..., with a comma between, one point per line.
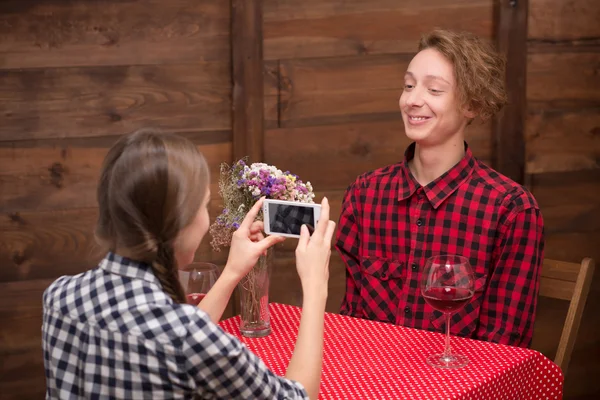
x=254, y=299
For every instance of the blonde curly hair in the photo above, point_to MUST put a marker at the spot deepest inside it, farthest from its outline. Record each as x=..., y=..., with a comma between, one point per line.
x=479, y=70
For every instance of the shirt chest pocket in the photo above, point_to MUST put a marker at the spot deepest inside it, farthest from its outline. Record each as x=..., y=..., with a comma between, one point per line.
x=380, y=288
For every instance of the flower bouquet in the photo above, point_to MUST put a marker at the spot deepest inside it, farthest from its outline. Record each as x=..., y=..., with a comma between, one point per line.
x=240, y=186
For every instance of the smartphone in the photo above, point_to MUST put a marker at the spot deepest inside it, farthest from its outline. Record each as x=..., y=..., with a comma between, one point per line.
x=284, y=218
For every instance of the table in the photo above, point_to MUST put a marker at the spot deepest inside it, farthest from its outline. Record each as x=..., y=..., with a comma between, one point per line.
x=371, y=360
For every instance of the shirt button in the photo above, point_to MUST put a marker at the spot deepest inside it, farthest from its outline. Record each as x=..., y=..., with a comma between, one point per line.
x=406, y=310
x=414, y=266
x=384, y=275
x=419, y=222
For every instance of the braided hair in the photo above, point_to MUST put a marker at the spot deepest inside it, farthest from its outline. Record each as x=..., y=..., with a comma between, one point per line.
x=151, y=187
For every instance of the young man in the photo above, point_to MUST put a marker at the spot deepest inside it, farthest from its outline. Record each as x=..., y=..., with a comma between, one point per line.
x=442, y=200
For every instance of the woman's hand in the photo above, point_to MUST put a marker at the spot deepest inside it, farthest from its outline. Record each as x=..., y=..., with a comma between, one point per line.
x=248, y=243
x=313, y=253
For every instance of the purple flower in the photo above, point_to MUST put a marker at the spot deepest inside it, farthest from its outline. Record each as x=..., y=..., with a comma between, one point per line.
x=235, y=225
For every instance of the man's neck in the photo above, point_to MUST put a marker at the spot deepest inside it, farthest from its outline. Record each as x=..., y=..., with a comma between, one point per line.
x=431, y=162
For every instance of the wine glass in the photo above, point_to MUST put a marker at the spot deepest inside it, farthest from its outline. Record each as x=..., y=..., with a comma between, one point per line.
x=447, y=286
x=197, y=279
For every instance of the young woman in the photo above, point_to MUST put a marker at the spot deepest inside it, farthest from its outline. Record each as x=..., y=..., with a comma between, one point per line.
x=441, y=199
x=124, y=330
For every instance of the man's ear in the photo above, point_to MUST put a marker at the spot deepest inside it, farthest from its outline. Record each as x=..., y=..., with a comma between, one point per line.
x=469, y=112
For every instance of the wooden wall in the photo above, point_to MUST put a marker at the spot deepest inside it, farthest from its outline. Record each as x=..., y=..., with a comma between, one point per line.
x=563, y=161
x=74, y=75
x=333, y=75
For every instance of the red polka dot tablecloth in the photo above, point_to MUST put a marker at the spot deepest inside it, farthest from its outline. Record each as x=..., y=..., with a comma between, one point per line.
x=370, y=360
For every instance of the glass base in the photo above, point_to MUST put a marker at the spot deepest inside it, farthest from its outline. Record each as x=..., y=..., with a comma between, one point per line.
x=256, y=331
x=451, y=361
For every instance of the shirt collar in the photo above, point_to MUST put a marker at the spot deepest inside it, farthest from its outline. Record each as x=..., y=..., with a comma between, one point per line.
x=440, y=189
x=116, y=264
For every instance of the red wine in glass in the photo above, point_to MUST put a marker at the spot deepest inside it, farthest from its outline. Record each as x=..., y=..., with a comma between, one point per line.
x=197, y=279
x=195, y=298
x=447, y=286
x=447, y=299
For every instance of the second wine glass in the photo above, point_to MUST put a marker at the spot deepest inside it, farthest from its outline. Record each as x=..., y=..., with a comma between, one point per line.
x=197, y=279
x=447, y=286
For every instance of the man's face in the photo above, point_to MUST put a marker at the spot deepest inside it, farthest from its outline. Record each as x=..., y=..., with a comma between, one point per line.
x=429, y=102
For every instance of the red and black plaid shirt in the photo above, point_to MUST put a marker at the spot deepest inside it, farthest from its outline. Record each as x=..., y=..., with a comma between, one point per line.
x=390, y=225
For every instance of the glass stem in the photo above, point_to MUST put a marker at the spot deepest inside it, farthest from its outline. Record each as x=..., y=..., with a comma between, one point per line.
x=447, y=351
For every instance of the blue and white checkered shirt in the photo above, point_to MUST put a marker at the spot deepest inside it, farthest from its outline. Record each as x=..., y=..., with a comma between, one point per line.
x=112, y=332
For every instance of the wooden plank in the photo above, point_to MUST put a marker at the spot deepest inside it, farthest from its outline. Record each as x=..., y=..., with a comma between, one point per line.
x=509, y=127
x=337, y=90
x=563, y=80
x=100, y=101
x=563, y=25
x=43, y=245
x=247, y=58
x=22, y=374
x=561, y=270
x=573, y=246
x=332, y=28
x=37, y=34
x=271, y=86
x=569, y=203
x=561, y=141
x=50, y=175
x=556, y=288
x=21, y=313
x=332, y=156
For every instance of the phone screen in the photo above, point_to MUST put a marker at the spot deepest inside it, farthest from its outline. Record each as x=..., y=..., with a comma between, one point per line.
x=285, y=218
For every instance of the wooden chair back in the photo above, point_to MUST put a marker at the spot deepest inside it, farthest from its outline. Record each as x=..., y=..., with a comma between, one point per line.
x=571, y=282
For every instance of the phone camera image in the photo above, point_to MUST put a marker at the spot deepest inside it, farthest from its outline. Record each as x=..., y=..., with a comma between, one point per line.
x=290, y=218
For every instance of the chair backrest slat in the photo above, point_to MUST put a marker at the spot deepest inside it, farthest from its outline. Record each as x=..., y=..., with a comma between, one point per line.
x=556, y=288
x=561, y=270
x=567, y=281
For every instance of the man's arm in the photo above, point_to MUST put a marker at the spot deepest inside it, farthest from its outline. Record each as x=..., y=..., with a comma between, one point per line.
x=347, y=244
x=508, y=309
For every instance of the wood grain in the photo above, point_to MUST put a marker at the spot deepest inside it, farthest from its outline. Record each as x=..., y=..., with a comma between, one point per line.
x=100, y=101
x=563, y=24
x=50, y=176
x=569, y=205
x=21, y=368
x=22, y=373
x=21, y=306
x=271, y=99
x=43, y=245
x=563, y=80
x=332, y=156
x=42, y=34
x=331, y=28
x=561, y=141
x=342, y=89
x=509, y=126
x=247, y=59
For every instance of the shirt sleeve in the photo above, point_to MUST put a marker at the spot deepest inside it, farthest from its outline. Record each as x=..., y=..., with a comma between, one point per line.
x=347, y=245
x=508, y=309
x=223, y=368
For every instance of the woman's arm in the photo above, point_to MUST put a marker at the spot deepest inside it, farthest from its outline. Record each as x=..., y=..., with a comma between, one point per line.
x=312, y=262
x=247, y=244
